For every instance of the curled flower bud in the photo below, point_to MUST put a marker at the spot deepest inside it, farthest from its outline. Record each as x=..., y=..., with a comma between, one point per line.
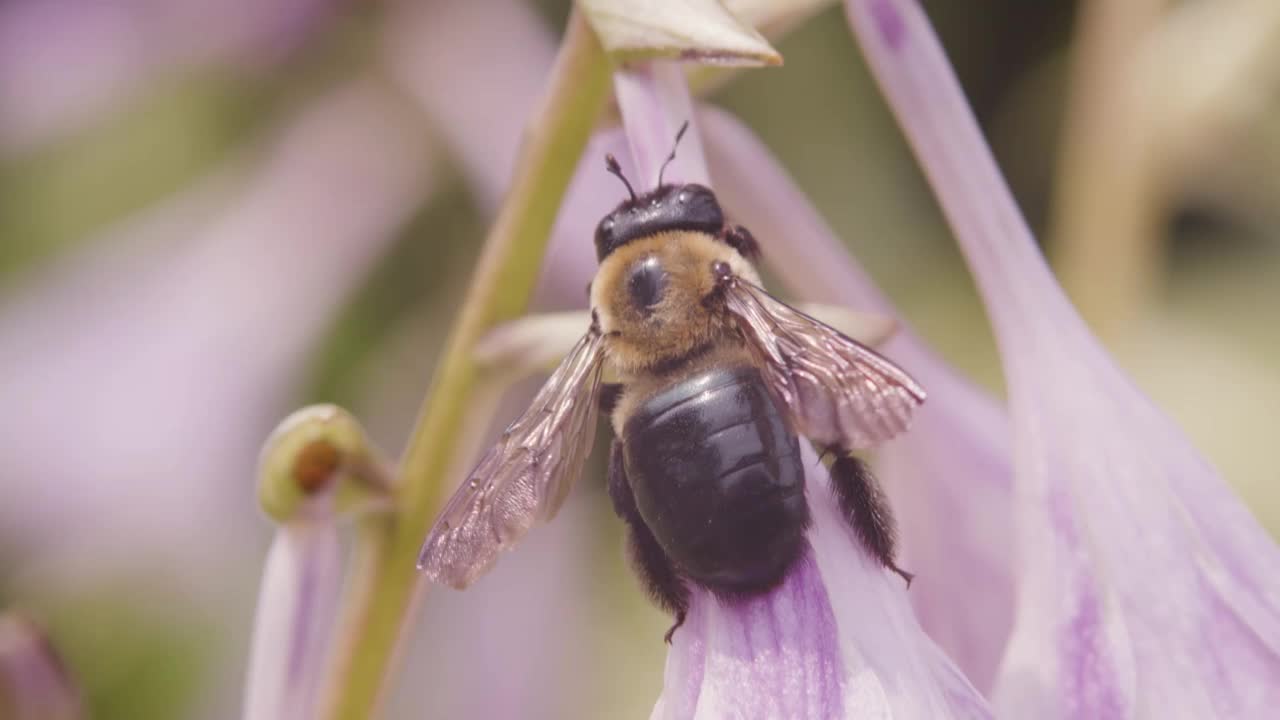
x=316, y=467
x=319, y=457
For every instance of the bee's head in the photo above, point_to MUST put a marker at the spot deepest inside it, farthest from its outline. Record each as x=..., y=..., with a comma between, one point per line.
x=667, y=208
x=657, y=252
x=653, y=297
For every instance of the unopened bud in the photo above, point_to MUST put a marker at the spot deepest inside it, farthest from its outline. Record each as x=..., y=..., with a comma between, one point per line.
x=319, y=460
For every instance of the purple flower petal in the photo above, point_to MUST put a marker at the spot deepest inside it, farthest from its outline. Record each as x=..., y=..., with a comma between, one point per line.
x=661, y=89
x=1147, y=588
x=950, y=477
x=836, y=640
x=772, y=656
x=151, y=365
x=838, y=637
x=65, y=63
x=301, y=584
x=34, y=682
x=499, y=52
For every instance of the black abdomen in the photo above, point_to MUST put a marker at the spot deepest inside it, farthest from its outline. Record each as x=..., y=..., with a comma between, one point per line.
x=716, y=474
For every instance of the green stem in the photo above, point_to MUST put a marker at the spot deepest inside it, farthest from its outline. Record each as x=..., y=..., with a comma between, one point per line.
x=380, y=600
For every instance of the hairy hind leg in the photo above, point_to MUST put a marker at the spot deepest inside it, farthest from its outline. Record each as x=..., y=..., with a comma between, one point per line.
x=659, y=578
x=864, y=506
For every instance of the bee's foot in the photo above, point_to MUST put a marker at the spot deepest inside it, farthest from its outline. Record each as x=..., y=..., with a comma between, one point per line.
x=908, y=577
x=680, y=616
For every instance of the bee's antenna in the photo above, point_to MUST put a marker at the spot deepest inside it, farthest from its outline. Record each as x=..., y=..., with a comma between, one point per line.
x=672, y=156
x=611, y=164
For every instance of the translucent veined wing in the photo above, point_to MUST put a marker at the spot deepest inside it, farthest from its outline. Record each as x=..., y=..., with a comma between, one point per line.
x=523, y=479
x=839, y=392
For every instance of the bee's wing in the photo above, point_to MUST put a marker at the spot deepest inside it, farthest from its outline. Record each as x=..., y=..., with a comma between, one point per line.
x=523, y=479
x=838, y=391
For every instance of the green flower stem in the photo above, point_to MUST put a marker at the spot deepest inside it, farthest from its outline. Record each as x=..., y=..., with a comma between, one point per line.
x=385, y=575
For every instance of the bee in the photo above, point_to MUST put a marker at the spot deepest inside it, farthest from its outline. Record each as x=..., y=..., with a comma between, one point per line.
x=717, y=382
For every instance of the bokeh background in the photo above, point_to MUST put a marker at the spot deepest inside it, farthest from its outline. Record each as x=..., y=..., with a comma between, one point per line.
x=215, y=211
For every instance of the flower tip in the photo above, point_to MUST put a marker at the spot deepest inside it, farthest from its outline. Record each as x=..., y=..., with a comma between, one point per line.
x=34, y=681
x=704, y=31
x=766, y=57
x=308, y=455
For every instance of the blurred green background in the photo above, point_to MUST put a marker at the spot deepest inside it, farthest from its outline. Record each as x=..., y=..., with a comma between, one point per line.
x=156, y=629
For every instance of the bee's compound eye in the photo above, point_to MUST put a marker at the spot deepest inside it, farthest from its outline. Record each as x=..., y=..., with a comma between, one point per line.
x=646, y=284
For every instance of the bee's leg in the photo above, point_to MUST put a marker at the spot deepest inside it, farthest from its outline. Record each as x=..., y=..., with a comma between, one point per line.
x=864, y=505
x=610, y=393
x=743, y=241
x=647, y=557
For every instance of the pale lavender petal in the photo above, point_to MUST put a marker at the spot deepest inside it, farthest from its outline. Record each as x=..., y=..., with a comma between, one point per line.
x=1148, y=590
x=836, y=640
x=950, y=476
x=499, y=53
x=34, y=681
x=515, y=644
x=879, y=633
x=150, y=367
x=35, y=38
x=64, y=63
x=297, y=603
x=571, y=260
x=774, y=656
x=661, y=88
x=510, y=53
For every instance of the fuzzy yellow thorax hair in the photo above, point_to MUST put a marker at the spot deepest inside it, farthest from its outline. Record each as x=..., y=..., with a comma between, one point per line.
x=639, y=340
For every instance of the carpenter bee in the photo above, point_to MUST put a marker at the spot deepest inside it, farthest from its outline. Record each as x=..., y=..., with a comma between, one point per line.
x=717, y=382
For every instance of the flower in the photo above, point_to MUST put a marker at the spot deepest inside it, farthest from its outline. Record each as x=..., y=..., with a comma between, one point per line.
x=301, y=584
x=950, y=477
x=316, y=468
x=838, y=637
x=961, y=431
x=1146, y=589
x=64, y=64
x=34, y=682
x=808, y=649
x=163, y=351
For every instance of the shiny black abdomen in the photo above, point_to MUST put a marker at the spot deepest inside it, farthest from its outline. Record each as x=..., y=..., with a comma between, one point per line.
x=717, y=476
